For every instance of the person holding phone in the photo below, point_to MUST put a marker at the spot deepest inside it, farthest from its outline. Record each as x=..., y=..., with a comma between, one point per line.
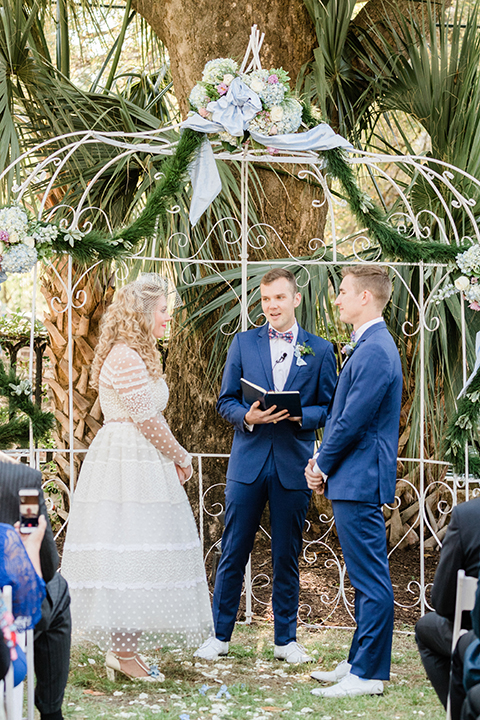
x=132, y=554
x=51, y=646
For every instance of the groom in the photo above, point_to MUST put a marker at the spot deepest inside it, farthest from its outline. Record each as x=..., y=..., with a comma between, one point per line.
x=357, y=467
x=268, y=457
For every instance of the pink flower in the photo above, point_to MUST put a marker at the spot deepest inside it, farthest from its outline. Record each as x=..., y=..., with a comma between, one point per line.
x=473, y=280
x=273, y=130
x=4, y=236
x=272, y=79
x=222, y=88
x=474, y=305
x=272, y=151
x=203, y=112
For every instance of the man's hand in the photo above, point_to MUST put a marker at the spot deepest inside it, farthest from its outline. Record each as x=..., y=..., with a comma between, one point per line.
x=315, y=480
x=255, y=416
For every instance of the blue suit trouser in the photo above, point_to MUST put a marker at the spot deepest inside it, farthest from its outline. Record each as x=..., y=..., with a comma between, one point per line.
x=244, y=504
x=361, y=531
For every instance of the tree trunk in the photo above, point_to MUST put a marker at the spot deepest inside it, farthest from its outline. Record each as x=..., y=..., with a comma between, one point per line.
x=94, y=293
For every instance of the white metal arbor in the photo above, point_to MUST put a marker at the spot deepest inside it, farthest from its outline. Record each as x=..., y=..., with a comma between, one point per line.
x=443, y=182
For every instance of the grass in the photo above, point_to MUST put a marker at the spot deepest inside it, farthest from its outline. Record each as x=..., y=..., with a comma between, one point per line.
x=260, y=687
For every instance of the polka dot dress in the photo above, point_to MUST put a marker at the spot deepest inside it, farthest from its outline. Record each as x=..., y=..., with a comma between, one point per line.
x=132, y=555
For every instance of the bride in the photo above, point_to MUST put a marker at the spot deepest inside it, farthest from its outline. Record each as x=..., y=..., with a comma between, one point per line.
x=132, y=555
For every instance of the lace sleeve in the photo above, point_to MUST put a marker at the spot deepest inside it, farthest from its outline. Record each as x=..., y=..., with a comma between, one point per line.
x=28, y=589
x=129, y=377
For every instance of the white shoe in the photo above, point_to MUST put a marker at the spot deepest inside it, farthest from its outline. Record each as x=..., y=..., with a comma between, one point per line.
x=292, y=653
x=350, y=685
x=334, y=675
x=211, y=649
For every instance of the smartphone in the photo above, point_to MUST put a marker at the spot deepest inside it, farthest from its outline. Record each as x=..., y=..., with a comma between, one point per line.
x=29, y=509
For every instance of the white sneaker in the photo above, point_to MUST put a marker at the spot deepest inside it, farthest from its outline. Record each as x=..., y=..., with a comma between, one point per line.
x=292, y=653
x=350, y=685
x=211, y=649
x=334, y=675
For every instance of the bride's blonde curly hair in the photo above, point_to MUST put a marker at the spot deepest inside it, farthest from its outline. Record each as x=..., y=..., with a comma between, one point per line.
x=130, y=319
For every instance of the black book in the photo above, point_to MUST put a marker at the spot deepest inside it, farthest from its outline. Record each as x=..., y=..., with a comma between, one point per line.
x=284, y=400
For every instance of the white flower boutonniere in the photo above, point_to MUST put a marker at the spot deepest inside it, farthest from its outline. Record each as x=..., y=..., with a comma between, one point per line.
x=348, y=349
x=300, y=351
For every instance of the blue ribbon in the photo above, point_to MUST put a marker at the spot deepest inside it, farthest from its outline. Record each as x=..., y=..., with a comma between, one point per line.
x=232, y=113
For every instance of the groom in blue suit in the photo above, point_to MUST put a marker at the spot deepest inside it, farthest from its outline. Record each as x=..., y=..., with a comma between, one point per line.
x=357, y=467
x=268, y=458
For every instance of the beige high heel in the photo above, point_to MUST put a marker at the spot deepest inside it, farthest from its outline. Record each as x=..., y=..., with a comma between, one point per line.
x=114, y=669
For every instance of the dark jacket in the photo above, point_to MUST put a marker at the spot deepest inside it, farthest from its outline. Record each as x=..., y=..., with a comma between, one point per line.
x=13, y=477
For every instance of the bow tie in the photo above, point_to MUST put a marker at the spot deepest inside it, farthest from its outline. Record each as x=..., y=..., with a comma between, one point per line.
x=287, y=336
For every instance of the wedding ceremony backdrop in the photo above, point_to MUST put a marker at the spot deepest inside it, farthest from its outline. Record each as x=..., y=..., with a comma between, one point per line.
x=217, y=274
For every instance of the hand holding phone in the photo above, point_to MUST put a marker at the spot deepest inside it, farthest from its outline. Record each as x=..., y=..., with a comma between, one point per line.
x=29, y=509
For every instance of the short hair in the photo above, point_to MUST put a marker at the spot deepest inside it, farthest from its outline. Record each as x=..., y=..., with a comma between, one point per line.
x=373, y=278
x=278, y=273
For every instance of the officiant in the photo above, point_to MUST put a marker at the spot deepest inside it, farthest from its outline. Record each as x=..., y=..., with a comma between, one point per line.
x=269, y=453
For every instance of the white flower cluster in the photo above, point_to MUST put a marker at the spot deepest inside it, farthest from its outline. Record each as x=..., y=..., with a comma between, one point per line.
x=469, y=261
x=267, y=86
x=215, y=70
x=13, y=224
x=45, y=233
x=281, y=114
x=199, y=97
x=279, y=120
x=19, y=258
x=469, y=283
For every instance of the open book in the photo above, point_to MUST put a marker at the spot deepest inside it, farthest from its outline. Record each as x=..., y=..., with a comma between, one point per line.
x=284, y=400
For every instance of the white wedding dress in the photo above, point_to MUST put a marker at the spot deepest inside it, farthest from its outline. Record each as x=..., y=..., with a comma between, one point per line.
x=132, y=555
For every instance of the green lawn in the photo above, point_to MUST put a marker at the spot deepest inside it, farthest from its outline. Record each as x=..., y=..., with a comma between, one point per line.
x=260, y=687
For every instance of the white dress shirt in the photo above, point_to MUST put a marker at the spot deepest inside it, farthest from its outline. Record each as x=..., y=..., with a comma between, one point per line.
x=282, y=349
x=280, y=368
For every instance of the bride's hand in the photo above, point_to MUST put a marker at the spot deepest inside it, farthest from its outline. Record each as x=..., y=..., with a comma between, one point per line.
x=184, y=474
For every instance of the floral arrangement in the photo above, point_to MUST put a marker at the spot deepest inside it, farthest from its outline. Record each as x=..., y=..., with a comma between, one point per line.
x=468, y=283
x=281, y=113
x=300, y=350
x=23, y=240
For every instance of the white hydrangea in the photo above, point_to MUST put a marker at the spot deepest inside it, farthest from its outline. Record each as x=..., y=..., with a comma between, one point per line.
x=292, y=116
x=19, y=259
x=14, y=221
x=469, y=261
x=215, y=70
x=198, y=97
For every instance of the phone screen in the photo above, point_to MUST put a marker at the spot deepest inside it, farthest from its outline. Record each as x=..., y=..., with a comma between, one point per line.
x=29, y=509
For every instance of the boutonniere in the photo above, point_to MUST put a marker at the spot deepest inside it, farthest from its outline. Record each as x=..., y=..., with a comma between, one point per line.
x=348, y=349
x=300, y=351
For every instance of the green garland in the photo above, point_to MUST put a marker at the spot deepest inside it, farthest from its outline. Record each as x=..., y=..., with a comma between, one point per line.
x=17, y=430
x=174, y=170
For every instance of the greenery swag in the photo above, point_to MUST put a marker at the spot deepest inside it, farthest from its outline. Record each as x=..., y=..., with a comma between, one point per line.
x=16, y=430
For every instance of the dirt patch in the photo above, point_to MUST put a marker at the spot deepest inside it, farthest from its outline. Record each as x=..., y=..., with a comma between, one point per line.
x=321, y=601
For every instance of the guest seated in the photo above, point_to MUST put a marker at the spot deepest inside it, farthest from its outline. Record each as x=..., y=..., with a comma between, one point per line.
x=433, y=632
x=53, y=631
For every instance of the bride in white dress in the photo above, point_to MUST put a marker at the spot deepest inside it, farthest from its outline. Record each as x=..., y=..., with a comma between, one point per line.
x=132, y=555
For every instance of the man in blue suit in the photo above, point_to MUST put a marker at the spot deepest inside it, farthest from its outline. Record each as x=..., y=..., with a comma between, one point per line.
x=357, y=466
x=268, y=458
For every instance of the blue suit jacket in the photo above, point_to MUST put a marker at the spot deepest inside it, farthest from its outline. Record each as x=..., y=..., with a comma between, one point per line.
x=249, y=357
x=360, y=441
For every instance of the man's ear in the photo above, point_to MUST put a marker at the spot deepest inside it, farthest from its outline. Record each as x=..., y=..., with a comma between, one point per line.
x=297, y=299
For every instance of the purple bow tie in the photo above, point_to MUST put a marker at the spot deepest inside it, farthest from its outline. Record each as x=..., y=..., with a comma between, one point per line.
x=287, y=336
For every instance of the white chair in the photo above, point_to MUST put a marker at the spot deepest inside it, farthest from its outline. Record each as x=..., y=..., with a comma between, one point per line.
x=464, y=600
x=13, y=697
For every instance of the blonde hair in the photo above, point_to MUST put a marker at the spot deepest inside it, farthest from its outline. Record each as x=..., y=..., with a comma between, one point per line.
x=373, y=278
x=130, y=319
